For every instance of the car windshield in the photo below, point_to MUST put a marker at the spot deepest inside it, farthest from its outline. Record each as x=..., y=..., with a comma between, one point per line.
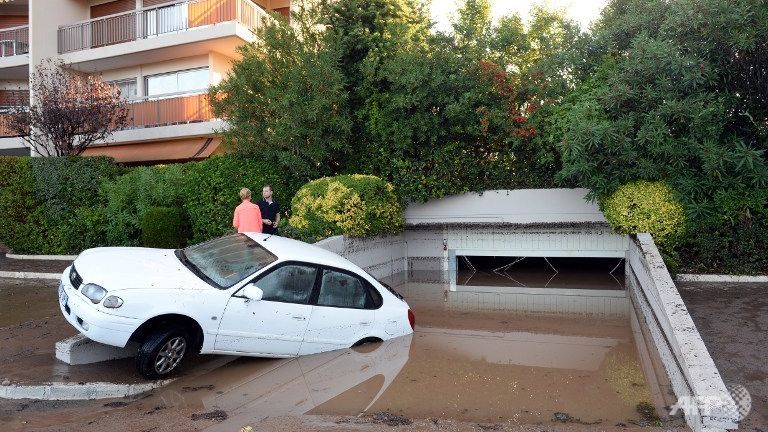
x=228, y=260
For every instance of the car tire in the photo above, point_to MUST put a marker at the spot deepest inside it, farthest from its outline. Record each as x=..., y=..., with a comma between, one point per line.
x=162, y=353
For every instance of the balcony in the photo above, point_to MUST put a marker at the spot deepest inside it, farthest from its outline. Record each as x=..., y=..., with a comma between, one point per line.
x=148, y=23
x=14, y=47
x=14, y=41
x=169, y=111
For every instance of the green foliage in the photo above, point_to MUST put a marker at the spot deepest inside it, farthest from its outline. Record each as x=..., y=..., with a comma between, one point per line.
x=164, y=227
x=53, y=203
x=17, y=202
x=210, y=190
x=131, y=195
x=646, y=207
x=285, y=100
x=355, y=205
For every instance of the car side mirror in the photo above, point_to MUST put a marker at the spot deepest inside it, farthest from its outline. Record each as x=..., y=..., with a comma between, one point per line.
x=252, y=292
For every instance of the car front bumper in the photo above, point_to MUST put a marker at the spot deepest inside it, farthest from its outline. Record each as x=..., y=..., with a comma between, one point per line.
x=91, y=322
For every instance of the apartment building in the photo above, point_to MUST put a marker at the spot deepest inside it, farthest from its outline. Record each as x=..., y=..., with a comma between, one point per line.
x=161, y=54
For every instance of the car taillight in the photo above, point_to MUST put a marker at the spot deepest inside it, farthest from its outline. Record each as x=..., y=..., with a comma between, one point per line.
x=412, y=319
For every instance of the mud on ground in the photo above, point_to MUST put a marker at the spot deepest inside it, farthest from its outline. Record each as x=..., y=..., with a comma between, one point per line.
x=733, y=322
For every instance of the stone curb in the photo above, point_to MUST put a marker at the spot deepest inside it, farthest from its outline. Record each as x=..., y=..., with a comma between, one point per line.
x=73, y=391
x=719, y=278
x=29, y=275
x=42, y=257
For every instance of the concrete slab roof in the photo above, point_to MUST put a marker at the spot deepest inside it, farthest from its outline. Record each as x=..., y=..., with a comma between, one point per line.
x=508, y=207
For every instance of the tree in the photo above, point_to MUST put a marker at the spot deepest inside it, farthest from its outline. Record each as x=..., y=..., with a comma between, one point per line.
x=285, y=99
x=69, y=111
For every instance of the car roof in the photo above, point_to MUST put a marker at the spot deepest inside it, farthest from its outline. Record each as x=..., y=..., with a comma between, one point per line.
x=289, y=250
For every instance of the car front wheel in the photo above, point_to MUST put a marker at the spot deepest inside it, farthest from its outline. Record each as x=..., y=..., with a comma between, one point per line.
x=162, y=353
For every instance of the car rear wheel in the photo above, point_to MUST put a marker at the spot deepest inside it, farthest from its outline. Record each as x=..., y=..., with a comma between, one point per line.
x=162, y=353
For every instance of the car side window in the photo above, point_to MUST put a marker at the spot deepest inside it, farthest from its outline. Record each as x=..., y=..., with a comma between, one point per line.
x=342, y=290
x=290, y=283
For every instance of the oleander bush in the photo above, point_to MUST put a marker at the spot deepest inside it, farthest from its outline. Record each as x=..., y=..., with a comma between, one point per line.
x=354, y=205
x=164, y=227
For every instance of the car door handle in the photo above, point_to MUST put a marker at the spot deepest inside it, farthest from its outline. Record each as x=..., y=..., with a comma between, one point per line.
x=299, y=317
x=365, y=323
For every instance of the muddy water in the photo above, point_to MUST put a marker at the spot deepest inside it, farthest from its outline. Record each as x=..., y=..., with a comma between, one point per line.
x=497, y=367
x=465, y=364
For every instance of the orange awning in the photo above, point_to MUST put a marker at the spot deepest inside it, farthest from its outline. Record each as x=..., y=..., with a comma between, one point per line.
x=158, y=151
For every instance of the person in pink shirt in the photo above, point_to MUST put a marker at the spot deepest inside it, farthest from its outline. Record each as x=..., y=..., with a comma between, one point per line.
x=247, y=215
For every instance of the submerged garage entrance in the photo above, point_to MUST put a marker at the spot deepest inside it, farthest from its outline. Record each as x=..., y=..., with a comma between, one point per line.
x=534, y=242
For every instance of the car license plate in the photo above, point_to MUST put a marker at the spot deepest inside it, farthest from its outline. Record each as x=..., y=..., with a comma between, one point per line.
x=63, y=297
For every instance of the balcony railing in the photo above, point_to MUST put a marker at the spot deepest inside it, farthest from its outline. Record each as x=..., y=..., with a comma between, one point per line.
x=158, y=20
x=168, y=111
x=14, y=41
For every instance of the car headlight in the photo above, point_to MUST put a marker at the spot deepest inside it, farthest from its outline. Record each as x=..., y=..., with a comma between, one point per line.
x=94, y=293
x=113, y=302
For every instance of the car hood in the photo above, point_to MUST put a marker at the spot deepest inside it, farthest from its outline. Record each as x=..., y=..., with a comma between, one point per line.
x=131, y=267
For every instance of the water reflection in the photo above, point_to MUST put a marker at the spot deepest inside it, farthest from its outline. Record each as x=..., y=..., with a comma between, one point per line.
x=473, y=357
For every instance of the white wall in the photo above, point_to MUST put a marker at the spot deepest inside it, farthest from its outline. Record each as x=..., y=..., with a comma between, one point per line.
x=687, y=362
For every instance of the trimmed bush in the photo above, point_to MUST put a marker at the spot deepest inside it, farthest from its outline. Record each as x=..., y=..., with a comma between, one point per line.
x=164, y=227
x=210, y=191
x=354, y=205
x=17, y=203
x=131, y=195
x=650, y=207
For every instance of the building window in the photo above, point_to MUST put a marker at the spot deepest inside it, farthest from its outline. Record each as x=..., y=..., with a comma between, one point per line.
x=186, y=81
x=127, y=88
x=166, y=19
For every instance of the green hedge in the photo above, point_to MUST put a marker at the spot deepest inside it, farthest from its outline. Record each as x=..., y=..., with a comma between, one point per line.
x=17, y=202
x=131, y=195
x=53, y=204
x=355, y=205
x=210, y=191
x=164, y=227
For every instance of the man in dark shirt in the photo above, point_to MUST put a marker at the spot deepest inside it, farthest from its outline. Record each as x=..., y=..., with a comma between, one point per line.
x=270, y=211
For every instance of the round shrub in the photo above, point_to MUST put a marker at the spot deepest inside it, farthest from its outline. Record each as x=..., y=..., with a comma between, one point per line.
x=354, y=205
x=163, y=227
x=644, y=206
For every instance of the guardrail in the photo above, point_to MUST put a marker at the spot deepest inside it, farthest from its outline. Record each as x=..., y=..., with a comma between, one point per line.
x=166, y=111
x=158, y=20
x=14, y=41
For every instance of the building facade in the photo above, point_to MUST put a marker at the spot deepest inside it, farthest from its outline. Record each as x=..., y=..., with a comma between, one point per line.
x=162, y=55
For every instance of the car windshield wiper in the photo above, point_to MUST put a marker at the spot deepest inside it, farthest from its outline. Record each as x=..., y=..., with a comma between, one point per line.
x=194, y=269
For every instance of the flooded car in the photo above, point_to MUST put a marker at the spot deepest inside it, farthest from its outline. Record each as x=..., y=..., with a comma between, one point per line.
x=245, y=294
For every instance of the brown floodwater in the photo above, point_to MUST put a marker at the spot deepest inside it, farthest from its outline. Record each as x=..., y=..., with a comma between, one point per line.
x=494, y=364
x=467, y=365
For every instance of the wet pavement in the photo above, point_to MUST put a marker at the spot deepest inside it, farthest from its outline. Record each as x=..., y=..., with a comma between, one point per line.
x=733, y=322
x=502, y=370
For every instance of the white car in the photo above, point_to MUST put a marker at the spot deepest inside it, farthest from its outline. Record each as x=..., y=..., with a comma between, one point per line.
x=245, y=294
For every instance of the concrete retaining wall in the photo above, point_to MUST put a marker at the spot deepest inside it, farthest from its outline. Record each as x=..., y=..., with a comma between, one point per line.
x=382, y=256
x=692, y=373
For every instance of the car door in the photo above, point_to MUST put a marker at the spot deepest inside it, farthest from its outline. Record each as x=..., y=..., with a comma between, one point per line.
x=274, y=325
x=344, y=312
